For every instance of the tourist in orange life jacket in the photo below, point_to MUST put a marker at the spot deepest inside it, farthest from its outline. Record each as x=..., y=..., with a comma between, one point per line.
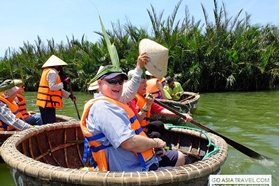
x=116, y=139
x=144, y=106
x=155, y=86
x=31, y=118
x=51, y=89
x=10, y=117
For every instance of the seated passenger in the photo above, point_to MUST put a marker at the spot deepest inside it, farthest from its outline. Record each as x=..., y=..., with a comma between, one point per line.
x=31, y=118
x=155, y=86
x=173, y=89
x=115, y=137
x=144, y=106
x=9, y=115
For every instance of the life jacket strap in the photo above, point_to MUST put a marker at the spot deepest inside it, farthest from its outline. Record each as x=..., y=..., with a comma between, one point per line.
x=95, y=137
x=87, y=157
x=139, y=130
x=132, y=119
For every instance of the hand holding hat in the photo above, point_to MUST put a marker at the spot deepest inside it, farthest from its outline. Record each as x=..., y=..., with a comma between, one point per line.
x=158, y=55
x=142, y=60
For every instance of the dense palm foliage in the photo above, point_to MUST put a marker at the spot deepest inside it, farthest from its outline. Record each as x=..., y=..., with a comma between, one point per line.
x=226, y=54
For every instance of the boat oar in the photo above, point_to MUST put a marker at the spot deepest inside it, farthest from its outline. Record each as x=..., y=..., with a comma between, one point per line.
x=245, y=150
x=74, y=101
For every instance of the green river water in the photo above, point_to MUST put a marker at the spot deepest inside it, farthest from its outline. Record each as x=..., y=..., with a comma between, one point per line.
x=249, y=118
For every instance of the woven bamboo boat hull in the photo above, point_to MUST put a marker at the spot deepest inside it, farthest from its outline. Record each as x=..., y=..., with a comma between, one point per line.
x=52, y=155
x=5, y=134
x=188, y=102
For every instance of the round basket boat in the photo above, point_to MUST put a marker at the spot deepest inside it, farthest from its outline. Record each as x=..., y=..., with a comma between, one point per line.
x=188, y=102
x=52, y=155
x=5, y=134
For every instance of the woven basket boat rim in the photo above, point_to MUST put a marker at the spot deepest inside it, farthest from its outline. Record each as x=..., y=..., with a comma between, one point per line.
x=19, y=161
x=184, y=103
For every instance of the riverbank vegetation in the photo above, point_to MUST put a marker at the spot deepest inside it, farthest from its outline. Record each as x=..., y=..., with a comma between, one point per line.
x=222, y=55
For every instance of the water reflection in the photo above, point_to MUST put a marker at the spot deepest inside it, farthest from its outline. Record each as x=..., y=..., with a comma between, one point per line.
x=249, y=118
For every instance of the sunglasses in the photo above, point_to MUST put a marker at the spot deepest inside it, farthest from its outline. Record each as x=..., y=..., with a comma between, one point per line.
x=114, y=81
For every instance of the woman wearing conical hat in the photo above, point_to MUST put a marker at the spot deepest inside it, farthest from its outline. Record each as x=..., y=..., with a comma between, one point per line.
x=51, y=90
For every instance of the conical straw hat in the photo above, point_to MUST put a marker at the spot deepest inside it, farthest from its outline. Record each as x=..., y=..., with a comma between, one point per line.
x=54, y=61
x=158, y=57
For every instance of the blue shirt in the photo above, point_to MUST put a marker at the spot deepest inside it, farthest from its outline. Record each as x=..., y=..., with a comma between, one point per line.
x=111, y=120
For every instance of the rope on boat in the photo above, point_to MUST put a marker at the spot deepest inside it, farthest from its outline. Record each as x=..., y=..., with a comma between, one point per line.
x=216, y=148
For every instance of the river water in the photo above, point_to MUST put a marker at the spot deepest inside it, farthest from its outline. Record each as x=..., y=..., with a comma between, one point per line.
x=248, y=118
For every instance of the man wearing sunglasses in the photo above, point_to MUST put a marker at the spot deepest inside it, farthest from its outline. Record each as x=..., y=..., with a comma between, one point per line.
x=114, y=135
x=130, y=87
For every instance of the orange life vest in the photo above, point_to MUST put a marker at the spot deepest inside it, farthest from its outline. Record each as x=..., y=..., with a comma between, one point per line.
x=140, y=101
x=152, y=88
x=97, y=150
x=47, y=97
x=14, y=109
x=22, y=106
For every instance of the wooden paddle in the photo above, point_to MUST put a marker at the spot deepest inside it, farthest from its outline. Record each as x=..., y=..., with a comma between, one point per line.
x=74, y=101
x=245, y=150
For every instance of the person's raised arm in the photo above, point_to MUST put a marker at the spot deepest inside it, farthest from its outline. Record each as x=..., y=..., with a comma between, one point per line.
x=130, y=87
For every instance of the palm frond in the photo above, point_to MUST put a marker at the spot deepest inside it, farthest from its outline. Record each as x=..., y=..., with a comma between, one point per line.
x=111, y=47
